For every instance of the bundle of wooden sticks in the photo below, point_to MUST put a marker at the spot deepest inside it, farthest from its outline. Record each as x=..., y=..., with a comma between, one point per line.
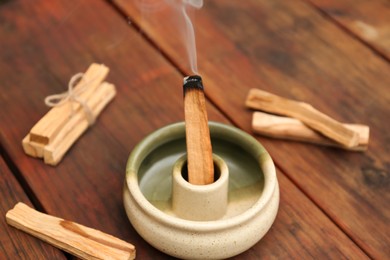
x=54, y=134
x=301, y=122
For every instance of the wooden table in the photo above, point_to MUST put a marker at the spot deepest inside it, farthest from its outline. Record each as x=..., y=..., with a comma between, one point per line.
x=332, y=54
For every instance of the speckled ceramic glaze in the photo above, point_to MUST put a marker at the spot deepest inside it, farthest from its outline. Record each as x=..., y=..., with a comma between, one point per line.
x=252, y=199
x=200, y=202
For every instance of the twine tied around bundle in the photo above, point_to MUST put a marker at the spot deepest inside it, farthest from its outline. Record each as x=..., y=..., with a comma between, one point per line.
x=72, y=95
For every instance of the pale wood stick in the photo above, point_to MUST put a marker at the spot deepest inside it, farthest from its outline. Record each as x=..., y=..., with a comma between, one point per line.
x=262, y=100
x=199, y=151
x=77, y=125
x=33, y=149
x=78, y=240
x=293, y=129
x=50, y=124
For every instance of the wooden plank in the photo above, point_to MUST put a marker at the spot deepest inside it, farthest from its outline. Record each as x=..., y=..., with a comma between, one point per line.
x=288, y=48
x=86, y=186
x=13, y=243
x=301, y=231
x=368, y=20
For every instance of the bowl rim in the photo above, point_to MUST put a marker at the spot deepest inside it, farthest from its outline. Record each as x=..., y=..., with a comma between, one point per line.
x=177, y=130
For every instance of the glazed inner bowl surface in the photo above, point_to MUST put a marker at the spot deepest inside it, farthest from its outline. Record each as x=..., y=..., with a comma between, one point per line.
x=246, y=178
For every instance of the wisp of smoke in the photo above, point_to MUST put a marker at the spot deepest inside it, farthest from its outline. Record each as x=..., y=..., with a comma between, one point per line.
x=181, y=22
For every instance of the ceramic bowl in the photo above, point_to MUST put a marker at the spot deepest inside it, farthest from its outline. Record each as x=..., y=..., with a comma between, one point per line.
x=252, y=194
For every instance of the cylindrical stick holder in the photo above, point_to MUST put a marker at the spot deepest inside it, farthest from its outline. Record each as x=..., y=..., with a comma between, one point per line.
x=200, y=202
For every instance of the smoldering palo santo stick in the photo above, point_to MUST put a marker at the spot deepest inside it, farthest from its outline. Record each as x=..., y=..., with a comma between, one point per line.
x=199, y=151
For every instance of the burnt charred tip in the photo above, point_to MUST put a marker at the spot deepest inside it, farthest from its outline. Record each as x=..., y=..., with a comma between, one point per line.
x=192, y=82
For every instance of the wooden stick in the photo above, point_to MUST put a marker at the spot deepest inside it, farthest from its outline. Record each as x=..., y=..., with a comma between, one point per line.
x=293, y=129
x=33, y=149
x=49, y=125
x=262, y=100
x=199, y=151
x=78, y=124
x=71, y=130
x=78, y=240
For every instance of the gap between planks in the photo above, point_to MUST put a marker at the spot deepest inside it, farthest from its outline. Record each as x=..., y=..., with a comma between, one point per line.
x=329, y=216
x=348, y=31
x=21, y=180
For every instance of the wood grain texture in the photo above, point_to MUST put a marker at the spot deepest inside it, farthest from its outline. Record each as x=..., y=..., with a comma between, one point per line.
x=71, y=130
x=79, y=240
x=368, y=20
x=301, y=231
x=69, y=35
x=13, y=243
x=288, y=48
x=78, y=124
x=199, y=151
x=265, y=101
x=292, y=129
x=49, y=126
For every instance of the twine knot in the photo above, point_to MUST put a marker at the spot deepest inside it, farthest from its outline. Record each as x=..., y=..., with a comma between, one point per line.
x=72, y=95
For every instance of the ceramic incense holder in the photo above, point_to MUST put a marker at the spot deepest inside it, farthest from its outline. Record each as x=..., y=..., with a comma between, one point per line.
x=213, y=221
